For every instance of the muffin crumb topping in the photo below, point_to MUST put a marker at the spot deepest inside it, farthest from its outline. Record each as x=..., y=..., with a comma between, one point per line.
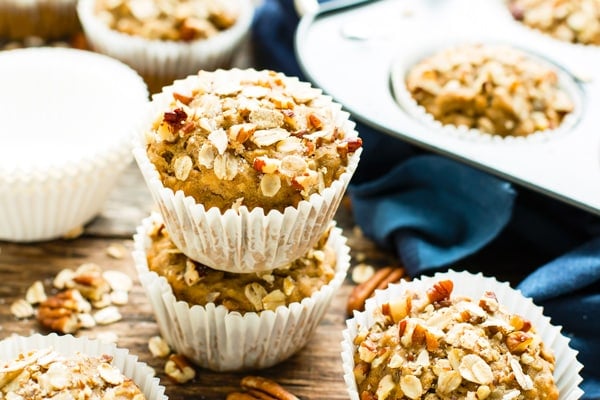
x=43, y=374
x=175, y=20
x=434, y=346
x=493, y=88
x=576, y=21
x=250, y=292
x=255, y=138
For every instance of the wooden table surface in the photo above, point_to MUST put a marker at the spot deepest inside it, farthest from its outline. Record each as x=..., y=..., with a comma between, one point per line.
x=313, y=373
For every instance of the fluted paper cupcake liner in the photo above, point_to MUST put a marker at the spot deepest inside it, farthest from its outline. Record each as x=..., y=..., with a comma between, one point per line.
x=408, y=59
x=32, y=210
x=566, y=372
x=48, y=19
x=72, y=162
x=220, y=340
x=241, y=241
x=160, y=62
x=68, y=345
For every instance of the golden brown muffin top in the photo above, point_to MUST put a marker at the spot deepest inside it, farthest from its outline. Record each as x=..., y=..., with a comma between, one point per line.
x=175, y=20
x=43, y=374
x=251, y=138
x=575, y=21
x=198, y=284
x=434, y=346
x=493, y=88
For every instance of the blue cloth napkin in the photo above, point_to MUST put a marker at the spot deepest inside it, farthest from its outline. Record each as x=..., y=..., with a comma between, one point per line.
x=436, y=213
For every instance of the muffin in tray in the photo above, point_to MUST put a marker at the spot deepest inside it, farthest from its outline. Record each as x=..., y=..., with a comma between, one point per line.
x=430, y=339
x=43, y=367
x=48, y=19
x=167, y=39
x=248, y=167
x=69, y=118
x=491, y=88
x=225, y=321
x=574, y=21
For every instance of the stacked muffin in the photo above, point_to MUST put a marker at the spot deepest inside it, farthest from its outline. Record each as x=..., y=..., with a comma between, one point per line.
x=248, y=168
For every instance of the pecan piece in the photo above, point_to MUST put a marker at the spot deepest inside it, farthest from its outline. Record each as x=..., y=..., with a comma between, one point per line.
x=175, y=118
x=59, y=313
x=179, y=369
x=440, y=291
x=240, y=396
x=380, y=280
x=266, y=386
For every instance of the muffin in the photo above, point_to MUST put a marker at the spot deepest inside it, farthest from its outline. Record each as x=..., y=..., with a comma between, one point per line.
x=490, y=88
x=48, y=19
x=68, y=123
x=248, y=167
x=430, y=339
x=225, y=321
x=167, y=39
x=42, y=367
x=574, y=21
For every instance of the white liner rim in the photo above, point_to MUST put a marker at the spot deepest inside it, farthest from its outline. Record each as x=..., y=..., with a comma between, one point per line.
x=67, y=345
x=567, y=372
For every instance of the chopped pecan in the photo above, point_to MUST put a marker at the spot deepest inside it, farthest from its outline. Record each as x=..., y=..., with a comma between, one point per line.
x=59, y=313
x=440, y=291
x=175, y=118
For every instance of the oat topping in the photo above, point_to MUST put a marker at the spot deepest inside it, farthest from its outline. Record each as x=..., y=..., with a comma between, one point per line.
x=257, y=136
x=79, y=292
x=44, y=374
x=576, y=21
x=175, y=20
x=251, y=292
x=493, y=88
x=435, y=346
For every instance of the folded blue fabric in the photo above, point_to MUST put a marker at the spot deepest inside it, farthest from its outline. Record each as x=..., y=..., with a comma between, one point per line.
x=434, y=212
x=426, y=209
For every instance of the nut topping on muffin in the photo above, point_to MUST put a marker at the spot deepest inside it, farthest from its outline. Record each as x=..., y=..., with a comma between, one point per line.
x=43, y=374
x=251, y=292
x=576, y=21
x=183, y=20
x=258, y=136
x=434, y=346
x=493, y=88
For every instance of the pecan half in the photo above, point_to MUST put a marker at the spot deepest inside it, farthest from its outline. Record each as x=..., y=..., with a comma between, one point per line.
x=255, y=384
x=179, y=369
x=380, y=280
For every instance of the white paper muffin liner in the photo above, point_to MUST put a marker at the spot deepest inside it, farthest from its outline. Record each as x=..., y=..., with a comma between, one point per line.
x=243, y=241
x=68, y=345
x=161, y=62
x=408, y=59
x=566, y=373
x=66, y=183
x=217, y=339
x=49, y=19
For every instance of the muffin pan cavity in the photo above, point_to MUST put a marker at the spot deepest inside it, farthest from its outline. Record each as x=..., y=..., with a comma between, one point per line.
x=356, y=52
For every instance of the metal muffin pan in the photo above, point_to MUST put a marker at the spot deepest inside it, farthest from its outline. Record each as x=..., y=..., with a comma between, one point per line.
x=352, y=49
